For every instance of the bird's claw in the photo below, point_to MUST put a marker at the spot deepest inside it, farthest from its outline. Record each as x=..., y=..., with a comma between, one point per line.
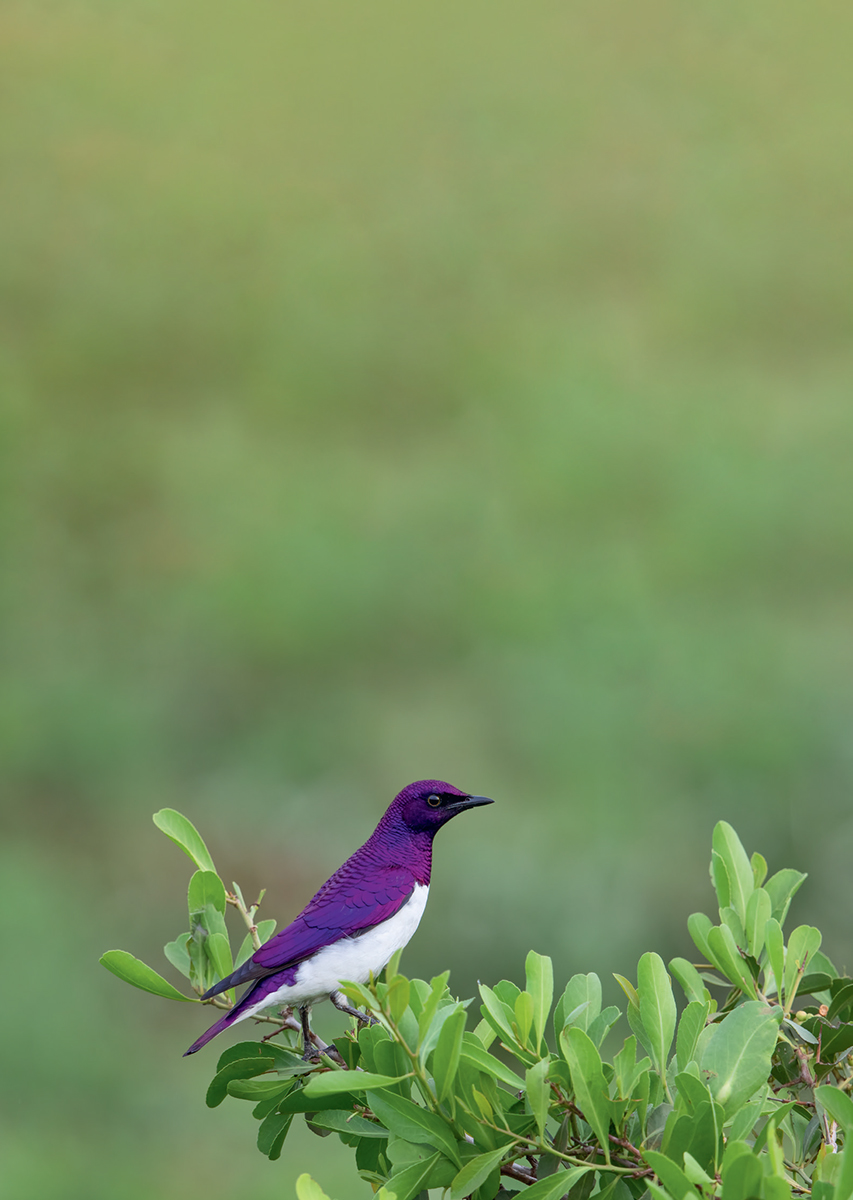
x=316, y=1054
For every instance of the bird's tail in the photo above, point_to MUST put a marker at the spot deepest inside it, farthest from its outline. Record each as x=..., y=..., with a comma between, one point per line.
x=237, y=1013
x=243, y=973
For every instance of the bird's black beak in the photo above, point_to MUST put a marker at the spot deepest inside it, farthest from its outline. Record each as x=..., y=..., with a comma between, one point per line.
x=469, y=802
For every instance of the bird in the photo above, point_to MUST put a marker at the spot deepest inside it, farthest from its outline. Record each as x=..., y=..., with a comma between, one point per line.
x=362, y=915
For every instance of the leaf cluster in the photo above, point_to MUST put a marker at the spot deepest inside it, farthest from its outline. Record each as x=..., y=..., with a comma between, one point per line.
x=741, y=1096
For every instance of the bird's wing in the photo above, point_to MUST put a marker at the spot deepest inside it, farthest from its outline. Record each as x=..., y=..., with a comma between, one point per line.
x=347, y=905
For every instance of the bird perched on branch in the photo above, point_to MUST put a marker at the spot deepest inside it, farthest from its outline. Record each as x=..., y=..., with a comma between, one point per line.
x=360, y=917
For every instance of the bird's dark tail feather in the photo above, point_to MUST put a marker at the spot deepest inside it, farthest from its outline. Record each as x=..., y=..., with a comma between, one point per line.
x=221, y=1024
x=229, y=1018
x=241, y=975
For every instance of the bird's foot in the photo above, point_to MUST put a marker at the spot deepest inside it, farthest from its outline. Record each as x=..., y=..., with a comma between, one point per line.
x=320, y=1051
x=340, y=1004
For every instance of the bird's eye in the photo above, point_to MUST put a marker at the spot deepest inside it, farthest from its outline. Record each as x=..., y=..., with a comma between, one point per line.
x=433, y=801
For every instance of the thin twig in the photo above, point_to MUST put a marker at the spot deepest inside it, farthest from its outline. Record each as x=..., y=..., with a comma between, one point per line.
x=235, y=898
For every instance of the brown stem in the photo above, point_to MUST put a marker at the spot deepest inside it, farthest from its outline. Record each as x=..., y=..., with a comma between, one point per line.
x=518, y=1173
x=626, y=1145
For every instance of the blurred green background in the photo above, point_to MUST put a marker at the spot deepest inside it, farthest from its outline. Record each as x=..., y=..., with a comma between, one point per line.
x=391, y=391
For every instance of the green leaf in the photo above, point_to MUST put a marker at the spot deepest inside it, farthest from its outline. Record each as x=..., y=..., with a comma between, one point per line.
x=359, y=995
x=689, y=1027
x=835, y=1042
x=627, y=1069
x=392, y=967
x=742, y=1177
x=259, y=1090
x=139, y=974
x=507, y=991
x=397, y=997
x=473, y=1052
x=844, y=1179
x=265, y=931
x=218, y=950
x=588, y=1083
x=579, y=1004
x=556, y=1185
x=333, y=1083
x=736, y=1058
x=438, y=987
x=842, y=997
x=759, y=868
x=497, y=1014
x=524, y=1017
x=726, y=953
x=733, y=923
x=445, y=1059
x=697, y=1131
x=657, y=1008
x=199, y=962
x=242, y=1068
x=802, y=944
x=283, y=1055
x=690, y=980
x=759, y=909
x=178, y=954
x=297, y=1101
x=720, y=880
x=637, y=1027
x=409, y=1182
x=658, y=1114
x=781, y=887
x=484, y=1104
x=698, y=926
x=691, y=1089
x=839, y=1106
x=184, y=834
x=815, y=983
x=205, y=888
x=693, y=1171
x=805, y=1035
x=629, y=990
x=744, y=1123
x=475, y=1172
x=307, y=1189
x=430, y=1041
x=272, y=1132
x=413, y=1123
x=484, y=1033
x=342, y=1120
x=540, y=984
x=670, y=1174
x=820, y=963
x=603, y=1023
x=728, y=846
x=774, y=943
x=821, y=1189
x=773, y=1143
x=538, y=1092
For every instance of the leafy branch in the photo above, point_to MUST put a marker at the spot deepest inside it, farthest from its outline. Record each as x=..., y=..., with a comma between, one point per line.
x=742, y=1095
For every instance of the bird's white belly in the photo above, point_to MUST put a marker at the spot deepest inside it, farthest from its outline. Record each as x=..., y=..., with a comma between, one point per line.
x=350, y=958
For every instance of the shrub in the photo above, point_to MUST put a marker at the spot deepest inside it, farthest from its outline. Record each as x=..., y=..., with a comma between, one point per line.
x=745, y=1094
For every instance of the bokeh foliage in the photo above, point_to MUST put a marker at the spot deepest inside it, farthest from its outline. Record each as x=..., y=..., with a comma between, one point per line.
x=452, y=390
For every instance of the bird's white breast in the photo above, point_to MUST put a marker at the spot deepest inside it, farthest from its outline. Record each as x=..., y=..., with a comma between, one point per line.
x=350, y=958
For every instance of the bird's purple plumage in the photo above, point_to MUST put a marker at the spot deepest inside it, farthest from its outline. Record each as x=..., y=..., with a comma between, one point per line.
x=368, y=889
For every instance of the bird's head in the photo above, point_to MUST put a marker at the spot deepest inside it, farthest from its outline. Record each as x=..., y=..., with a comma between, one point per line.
x=426, y=805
